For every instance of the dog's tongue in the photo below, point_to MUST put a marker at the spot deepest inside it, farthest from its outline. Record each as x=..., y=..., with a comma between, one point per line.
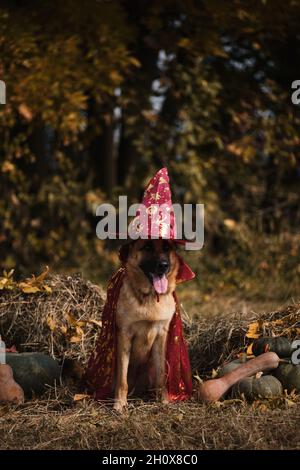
x=160, y=284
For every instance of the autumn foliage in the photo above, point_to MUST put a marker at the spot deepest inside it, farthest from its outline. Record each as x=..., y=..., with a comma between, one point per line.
x=100, y=96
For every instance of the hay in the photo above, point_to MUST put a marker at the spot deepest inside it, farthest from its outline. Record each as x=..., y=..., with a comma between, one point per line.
x=64, y=323
x=213, y=341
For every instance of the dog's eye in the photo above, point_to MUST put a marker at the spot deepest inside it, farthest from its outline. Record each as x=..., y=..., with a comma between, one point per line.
x=147, y=247
x=166, y=247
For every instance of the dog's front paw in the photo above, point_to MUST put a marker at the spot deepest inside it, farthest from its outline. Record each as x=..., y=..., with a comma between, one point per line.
x=165, y=400
x=120, y=406
x=162, y=397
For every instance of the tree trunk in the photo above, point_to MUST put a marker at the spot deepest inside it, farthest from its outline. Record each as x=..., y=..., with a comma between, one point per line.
x=101, y=150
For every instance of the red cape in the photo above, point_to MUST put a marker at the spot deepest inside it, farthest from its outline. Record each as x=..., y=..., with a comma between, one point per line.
x=99, y=376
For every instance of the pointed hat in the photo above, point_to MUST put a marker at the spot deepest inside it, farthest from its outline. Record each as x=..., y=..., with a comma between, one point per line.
x=155, y=217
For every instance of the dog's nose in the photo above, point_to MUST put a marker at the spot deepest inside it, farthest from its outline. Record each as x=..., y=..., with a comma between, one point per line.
x=163, y=266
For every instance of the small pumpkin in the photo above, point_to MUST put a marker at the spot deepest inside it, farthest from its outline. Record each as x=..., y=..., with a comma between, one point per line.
x=9, y=389
x=33, y=371
x=289, y=376
x=252, y=388
x=281, y=346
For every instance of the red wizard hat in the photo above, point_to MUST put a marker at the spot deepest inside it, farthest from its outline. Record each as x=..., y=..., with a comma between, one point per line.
x=155, y=217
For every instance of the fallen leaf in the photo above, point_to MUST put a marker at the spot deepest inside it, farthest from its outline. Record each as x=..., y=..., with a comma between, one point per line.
x=72, y=320
x=253, y=330
x=75, y=339
x=51, y=323
x=230, y=224
x=42, y=276
x=289, y=402
x=35, y=283
x=80, y=396
x=98, y=323
x=28, y=289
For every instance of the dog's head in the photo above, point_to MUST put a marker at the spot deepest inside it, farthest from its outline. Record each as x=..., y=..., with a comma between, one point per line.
x=155, y=260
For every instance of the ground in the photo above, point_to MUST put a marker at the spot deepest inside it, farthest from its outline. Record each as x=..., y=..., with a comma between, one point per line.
x=62, y=424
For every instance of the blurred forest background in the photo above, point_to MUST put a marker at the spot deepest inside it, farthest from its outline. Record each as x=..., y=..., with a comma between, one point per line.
x=101, y=94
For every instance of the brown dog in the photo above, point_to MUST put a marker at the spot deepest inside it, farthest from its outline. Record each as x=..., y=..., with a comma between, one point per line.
x=142, y=321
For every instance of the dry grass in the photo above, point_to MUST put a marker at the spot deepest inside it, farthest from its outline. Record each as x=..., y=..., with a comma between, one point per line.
x=56, y=421
x=62, y=324
x=62, y=424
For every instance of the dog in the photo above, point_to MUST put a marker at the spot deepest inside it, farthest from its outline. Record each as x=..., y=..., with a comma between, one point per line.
x=145, y=308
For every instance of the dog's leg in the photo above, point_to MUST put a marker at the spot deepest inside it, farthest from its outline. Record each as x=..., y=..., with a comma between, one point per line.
x=121, y=390
x=159, y=362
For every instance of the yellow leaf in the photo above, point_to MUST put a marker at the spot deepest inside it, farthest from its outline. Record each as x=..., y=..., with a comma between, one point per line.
x=35, y=284
x=115, y=76
x=289, y=403
x=75, y=339
x=79, y=331
x=64, y=329
x=47, y=289
x=3, y=282
x=28, y=289
x=8, y=167
x=134, y=61
x=230, y=224
x=70, y=319
x=42, y=276
x=199, y=380
x=80, y=396
x=253, y=330
x=277, y=322
x=263, y=407
x=51, y=323
x=249, y=350
x=184, y=42
x=98, y=323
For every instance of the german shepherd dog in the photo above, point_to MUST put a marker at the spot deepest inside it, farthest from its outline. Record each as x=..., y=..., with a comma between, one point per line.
x=143, y=321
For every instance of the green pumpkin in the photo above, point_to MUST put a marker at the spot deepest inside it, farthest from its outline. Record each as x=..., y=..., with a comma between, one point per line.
x=281, y=346
x=33, y=371
x=289, y=376
x=252, y=388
